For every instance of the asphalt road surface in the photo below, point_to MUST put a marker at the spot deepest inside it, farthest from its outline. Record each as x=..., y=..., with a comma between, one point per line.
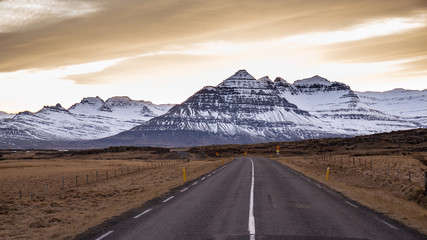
x=256, y=198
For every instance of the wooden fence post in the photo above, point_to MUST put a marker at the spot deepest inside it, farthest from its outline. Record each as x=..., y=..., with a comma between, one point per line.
x=425, y=183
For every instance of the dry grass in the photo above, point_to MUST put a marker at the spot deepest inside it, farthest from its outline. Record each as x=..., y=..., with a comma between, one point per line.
x=396, y=197
x=63, y=213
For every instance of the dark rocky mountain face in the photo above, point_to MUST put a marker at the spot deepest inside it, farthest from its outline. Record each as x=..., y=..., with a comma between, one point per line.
x=241, y=109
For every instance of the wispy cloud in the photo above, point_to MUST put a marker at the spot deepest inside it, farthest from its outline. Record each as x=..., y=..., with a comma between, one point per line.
x=370, y=29
x=16, y=15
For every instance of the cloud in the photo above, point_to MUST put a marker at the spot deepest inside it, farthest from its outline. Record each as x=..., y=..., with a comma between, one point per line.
x=132, y=27
x=18, y=15
x=373, y=28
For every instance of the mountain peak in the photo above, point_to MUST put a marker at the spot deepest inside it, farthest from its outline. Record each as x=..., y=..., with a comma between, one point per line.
x=241, y=75
x=119, y=98
x=265, y=79
x=280, y=79
x=315, y=80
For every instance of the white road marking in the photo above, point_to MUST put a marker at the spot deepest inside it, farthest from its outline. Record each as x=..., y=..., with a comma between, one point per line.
x=139, y=215
x=167, y=199
x=351, y=204
x=195, y=183
x=104, y=235
x=209, y=175
x=185, y=189
x=251, y=225
x=203, y=178
x=318, y=185
x=388, y=224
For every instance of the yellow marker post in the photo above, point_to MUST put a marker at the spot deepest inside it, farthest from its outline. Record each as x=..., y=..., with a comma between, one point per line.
x=223, y=161
x=183, y=174
x=327, y=174
x=245, y=153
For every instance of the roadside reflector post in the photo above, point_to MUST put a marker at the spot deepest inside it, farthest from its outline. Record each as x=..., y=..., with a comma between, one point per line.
x=45, y=190
x=425, y=183
x=223, y=161
x=327, y=174
x=183, y=174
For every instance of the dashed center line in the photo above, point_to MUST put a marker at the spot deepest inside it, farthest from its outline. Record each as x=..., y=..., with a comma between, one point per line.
x=167, y=199
x=139, y=215
x=185, y=189
x=104, y=235
x=251, y=224
x=195, y=183
x=209, y=175
x=351, y=204
x=388, y=224
x=203, y=178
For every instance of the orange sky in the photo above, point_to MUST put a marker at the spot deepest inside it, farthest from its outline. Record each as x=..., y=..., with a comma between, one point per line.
x=54, y=51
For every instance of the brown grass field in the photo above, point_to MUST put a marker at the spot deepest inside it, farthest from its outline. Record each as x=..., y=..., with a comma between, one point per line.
x=63, y=213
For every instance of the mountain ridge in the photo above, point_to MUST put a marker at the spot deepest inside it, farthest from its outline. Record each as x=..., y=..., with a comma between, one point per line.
x=240, y=109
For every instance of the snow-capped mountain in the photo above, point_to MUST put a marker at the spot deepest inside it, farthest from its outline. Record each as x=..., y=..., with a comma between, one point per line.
x=409, y=104
x=90, y=119
x=340, y=107
x=4, y=115
x=242, y=109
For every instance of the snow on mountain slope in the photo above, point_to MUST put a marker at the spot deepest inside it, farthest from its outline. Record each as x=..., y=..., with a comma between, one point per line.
x=4, y=115
x=91, y=118
x=410, y=104
x=339, y=106
x=240, y=109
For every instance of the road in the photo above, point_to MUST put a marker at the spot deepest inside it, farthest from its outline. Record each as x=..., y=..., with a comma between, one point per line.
x=256, y=198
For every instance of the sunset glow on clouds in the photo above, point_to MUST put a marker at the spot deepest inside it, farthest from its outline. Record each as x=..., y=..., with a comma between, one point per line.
x=163, y=51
